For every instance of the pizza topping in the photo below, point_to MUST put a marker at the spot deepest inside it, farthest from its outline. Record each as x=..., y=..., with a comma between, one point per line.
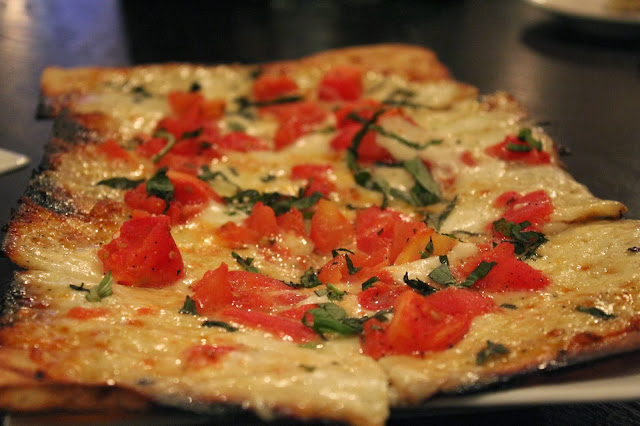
x=331, y=318
x=99, y=292
x=534, y=207
x=120, y=183
x=268, y=87
x=205, y=355
x=245, y=200
x=422, y=324
x=82, y=313
x=213, y=291
x=343, y=83
x=525, y=243
x=499, y=270
x=189, y=307
x=143, y=254
x=329, y=228
x=491, y=351
x=245, y=263
x=521, y=148
x=219, y=324
x=418, y=285
x=596, y=312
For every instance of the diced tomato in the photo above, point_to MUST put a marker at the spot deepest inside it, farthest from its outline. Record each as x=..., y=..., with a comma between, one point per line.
x=82, y=313
x=509, y=273
x=296, y=119
x=143, y=254
x=297, y=313
x=535, y=207
x=260, y=292
x=213, y=291
x=329, y=228
x=190, y=197
x=403, y=232
x=291, y=221
x=368, y=151
x=192, y=106
x=467, y=158
x=533, y=156
x=422, y=324
x=242, y=142
x=238, y=234
x=205, y=355
x=113, y=151
x=268, y=87
x=263, y=220
x=442, y=244
x=334, y=270
x=363, y=108
x=380, y=296
x=343, y=83
x=317, y=175
x=285, y=328
x=374, y=228
x=138, y=198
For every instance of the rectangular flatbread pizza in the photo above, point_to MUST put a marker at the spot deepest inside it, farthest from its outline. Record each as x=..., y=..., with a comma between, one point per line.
x=321, y=238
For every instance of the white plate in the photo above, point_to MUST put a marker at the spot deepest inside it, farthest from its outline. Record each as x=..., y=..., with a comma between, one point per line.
x=615, y=379
x=592, y=10
x=10, y=161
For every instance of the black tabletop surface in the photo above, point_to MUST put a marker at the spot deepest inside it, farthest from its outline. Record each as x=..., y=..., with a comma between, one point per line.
x=583, y=86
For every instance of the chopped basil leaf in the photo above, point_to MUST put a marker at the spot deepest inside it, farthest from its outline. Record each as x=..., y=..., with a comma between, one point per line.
x=517, y=147
x=634, y=249
x=592, y=310
x=206, y=174
x=335, y=252
x=99, y=292
x=443, y=276
x=193, y=134
x=244, y=102
x=421, y=174
x=382, y=131
x=307, y=368
x=444, y=259
x=327, y=318
x=160, y=186
x=140, y=93
x=334, y=293
x=189, y=307
x=527, y=136
x=508, y=306
x=492, y=350
x=268, y=178
x=428, y=250
x=369, y=283
x=352, y=269
x=234, y=126
x=308, y=280
x=524, y=243
x=321, y=292
x=280, y=203
x=331, y=318
x=419, y=286
x=171, y=141
x=121, y=183
x=195, y=87
x=255, y=73
x=220, y=324
x=80, y=287
x=481, y=271
x=245, y=263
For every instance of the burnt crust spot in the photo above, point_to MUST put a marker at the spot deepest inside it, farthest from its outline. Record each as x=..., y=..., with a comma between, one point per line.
x=43, y=193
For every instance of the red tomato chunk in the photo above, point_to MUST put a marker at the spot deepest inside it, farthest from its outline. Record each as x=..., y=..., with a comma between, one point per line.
x=144, y=254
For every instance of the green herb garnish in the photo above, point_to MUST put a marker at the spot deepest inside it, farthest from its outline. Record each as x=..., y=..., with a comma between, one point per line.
x=189, y=307
x=492, y=350
x=245, y=263
x=121, y=183
x=280, y=203
x=308, y=280
x=508, y=306
x=525, y=243
x=596, y=312
x=195, y=87
x=369, y=283
x=160, y=186
x=219, y=324
x=331, y=318
x=418, y=285
x=352, y=269
x=99, y=292
x=193, y=134
x=171, y=141
x=479, y=272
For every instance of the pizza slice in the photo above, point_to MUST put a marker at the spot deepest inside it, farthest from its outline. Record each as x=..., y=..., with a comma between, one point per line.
x=326, y=237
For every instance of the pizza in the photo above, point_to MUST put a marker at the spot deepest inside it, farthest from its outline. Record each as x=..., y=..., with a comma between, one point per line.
x=320, y=238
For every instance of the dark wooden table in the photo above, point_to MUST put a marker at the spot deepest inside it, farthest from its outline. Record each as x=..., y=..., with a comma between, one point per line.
x=585, y=87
